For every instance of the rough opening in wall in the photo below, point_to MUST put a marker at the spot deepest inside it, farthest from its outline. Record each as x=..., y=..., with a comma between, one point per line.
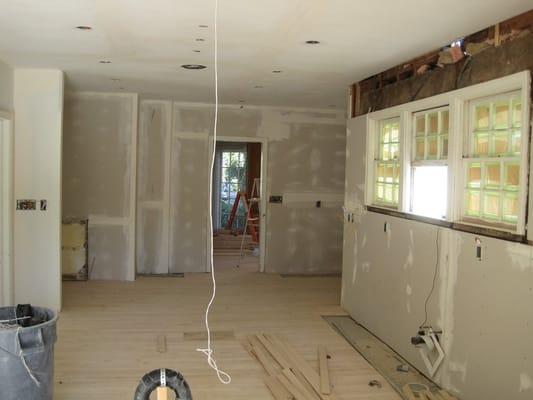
x=237, y=204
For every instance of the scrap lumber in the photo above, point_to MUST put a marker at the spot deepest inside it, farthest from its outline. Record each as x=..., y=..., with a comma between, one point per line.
x=303, y=366
x=325, y=384
x=162, y=344
x=276, y=351
x=303, y=393
x=291, y=377
x=279, y=391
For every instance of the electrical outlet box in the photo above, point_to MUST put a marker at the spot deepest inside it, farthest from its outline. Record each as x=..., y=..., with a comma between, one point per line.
x=276, y=199
x=26, y=205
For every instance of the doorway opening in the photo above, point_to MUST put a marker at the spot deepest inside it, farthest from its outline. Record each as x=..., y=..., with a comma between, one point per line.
x=237, y=205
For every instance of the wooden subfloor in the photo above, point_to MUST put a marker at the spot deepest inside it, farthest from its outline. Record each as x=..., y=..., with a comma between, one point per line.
x=108, y=331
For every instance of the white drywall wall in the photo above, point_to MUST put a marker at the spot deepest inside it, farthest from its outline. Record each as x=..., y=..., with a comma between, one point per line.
x=38, y=99
x=100, y=149
x=6, y=87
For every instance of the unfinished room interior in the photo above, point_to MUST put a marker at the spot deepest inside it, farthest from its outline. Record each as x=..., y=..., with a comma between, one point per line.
x=282, y=200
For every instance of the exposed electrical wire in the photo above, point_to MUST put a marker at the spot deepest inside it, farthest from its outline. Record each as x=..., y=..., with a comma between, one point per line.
x=223, y=377
x=437, y=262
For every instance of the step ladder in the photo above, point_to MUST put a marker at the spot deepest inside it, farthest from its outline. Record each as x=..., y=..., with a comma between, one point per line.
x=252, y=220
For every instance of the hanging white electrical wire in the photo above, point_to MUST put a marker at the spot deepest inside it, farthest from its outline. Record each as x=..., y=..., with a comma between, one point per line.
x=223, y=377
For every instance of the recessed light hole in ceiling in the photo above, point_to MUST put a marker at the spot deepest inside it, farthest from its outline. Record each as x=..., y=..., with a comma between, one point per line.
x=84, y=28
x=104, y=62
x=312, y=42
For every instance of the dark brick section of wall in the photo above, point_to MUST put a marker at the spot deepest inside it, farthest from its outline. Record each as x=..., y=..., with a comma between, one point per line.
x=493, y=62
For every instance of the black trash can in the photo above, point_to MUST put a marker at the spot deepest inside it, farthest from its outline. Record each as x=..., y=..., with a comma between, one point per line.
x=27, y=355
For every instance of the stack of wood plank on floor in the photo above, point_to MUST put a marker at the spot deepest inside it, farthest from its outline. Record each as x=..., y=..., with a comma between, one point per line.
x=411, y=393
x=228, y=243
x=290, y=376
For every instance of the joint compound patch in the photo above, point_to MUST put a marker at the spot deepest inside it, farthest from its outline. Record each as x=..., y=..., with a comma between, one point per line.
x=526, y=383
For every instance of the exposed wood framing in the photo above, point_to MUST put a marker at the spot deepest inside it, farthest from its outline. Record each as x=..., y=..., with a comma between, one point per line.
x=492, y=36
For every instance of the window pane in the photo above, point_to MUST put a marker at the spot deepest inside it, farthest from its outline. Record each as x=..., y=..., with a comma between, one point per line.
x=394, y=151
x=445, y=116
x=491, y=205
x=501, y=142
x=501, y=115
x=430, y=188
x=389, y=173
x=482, y=114
x=516, y=140
x=225, y=159
x=517, y=113
x=492, y=175
x=396, y=178
x=481, y=144
x=512, y=176
x=420, y=125
x=389, y=195
x=433, y=147
x=510, y=207
x=444, y=146
x=433, y=123
x=420, y=148
x=385, y=152
x=473, y=203
x=380, y=172
x=395, y=131
x=380, y=192
x=474, y=175
x=385, y=135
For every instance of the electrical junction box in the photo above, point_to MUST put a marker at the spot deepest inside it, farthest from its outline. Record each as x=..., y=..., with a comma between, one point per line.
x=26, y=205
x=276, y=199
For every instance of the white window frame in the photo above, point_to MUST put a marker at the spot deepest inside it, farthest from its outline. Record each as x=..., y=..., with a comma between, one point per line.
x=458, y=102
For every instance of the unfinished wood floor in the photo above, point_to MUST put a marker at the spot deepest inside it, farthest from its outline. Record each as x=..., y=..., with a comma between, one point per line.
x=107, y=334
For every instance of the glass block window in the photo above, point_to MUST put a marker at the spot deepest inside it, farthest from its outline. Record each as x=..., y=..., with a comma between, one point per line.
x=431, y=135
x=493, y=166
x=387, y=164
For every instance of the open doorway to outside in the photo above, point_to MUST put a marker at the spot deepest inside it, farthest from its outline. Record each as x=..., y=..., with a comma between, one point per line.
x=237, y=204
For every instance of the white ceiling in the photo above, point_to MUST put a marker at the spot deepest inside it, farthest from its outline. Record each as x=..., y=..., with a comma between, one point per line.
x=148, y=40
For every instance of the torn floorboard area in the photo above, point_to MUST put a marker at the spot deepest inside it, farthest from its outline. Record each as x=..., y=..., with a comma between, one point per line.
x=387, y=362
x=290, y=375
